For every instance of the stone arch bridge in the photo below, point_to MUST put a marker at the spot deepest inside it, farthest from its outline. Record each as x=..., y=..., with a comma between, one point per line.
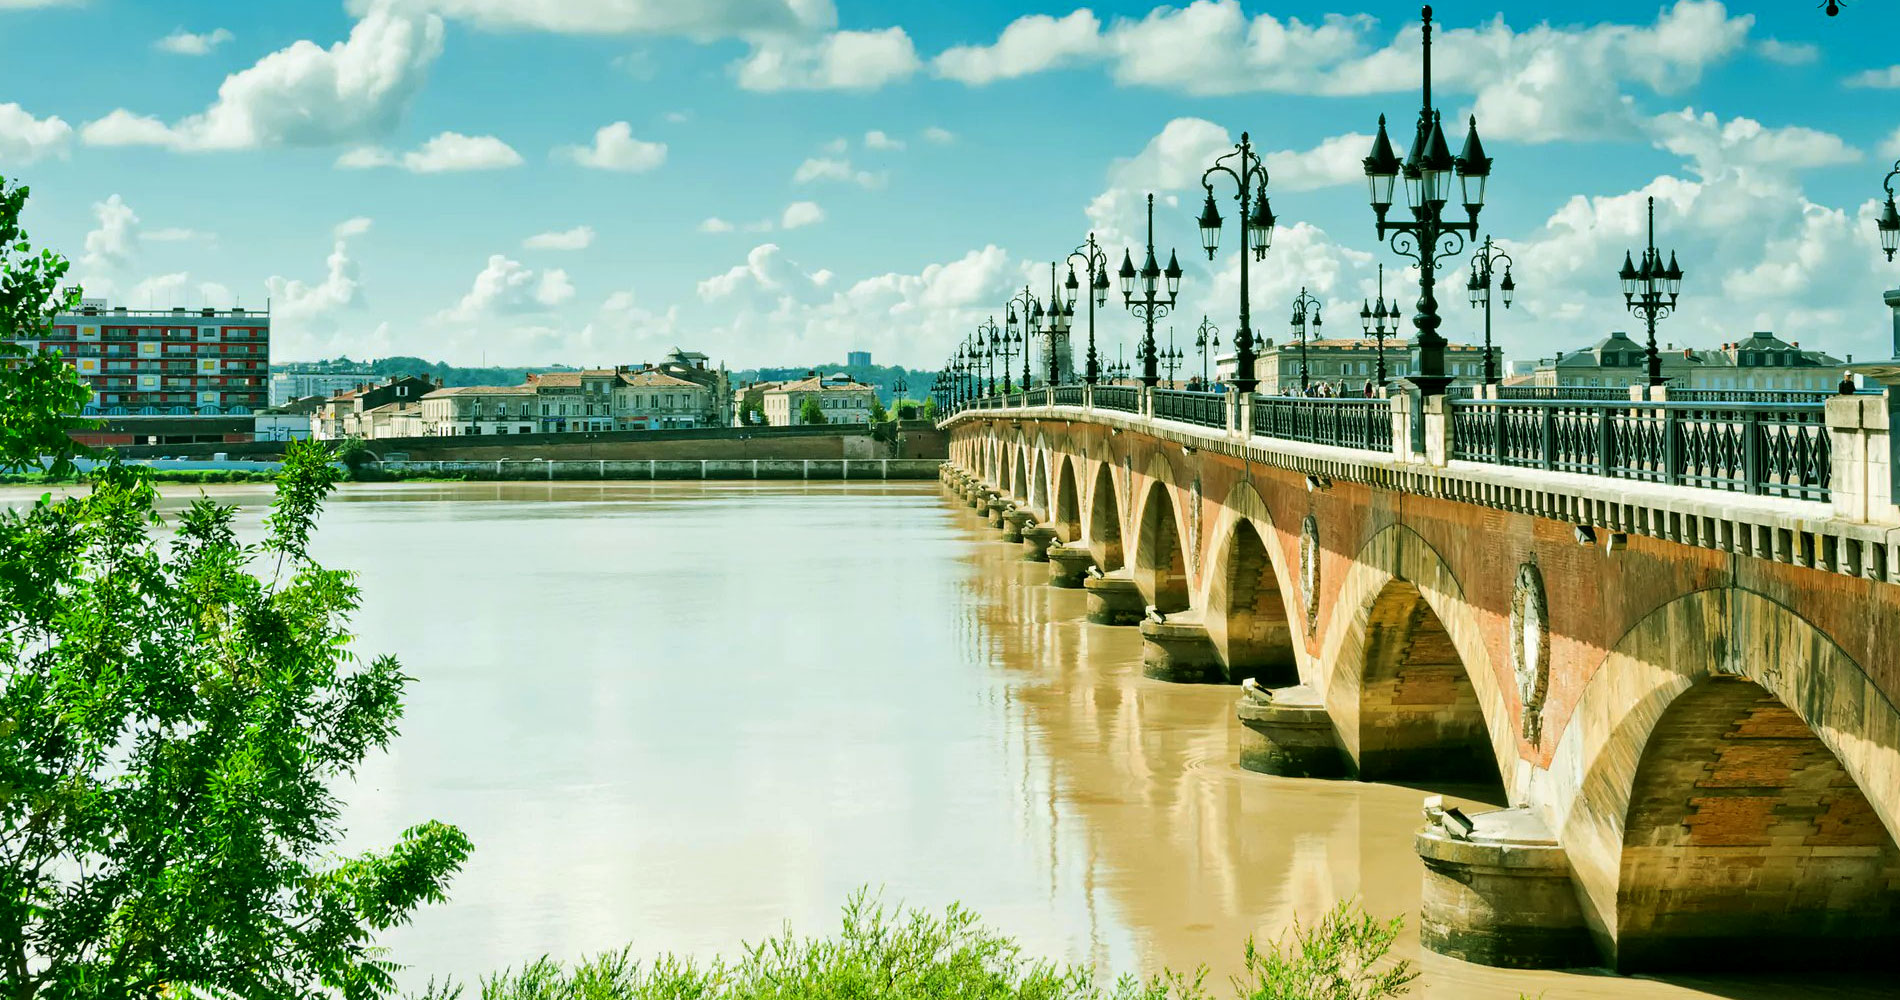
x=1669, y=629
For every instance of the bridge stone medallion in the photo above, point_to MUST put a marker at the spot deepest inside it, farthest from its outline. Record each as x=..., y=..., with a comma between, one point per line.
x=1309, y=571
x=1530, y=646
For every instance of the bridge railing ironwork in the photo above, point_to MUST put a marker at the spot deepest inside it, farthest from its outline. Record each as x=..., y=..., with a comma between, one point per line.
x=1780, y=450
x=1344, y=422
x=1126, y=398
x=1813, y=397
x=1036, y=397
x=1205, y=409
x=1066, y=395
x=1563, y=392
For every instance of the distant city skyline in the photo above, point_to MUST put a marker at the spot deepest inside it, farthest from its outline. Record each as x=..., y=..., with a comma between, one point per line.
x=534, y=183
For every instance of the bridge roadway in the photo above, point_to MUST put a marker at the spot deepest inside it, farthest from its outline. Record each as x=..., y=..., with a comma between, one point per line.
x=1669, y=629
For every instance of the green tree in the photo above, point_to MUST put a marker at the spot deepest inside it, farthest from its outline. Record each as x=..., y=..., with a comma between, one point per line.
x=878, y=413
x=810, y=411
x=42, y=395
x=175, y=709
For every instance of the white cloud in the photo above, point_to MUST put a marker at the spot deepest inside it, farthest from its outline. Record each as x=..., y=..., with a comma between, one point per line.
x=577, y=238
x=715, y=224
x=177, y=234
x=24, y=138
x=36, y=4
x=184, y=43
x=1713, y=147
x=615, y=148
x=841, y=60
x=1028, y=45
x=448, y=152
x=1338, y=160
x=940, y=136
x=801, y=213
x=1788, y=53
x=697, y=18
x=825, y=168
x=302, y=95
x=110, y=246
x=1891, y=145
x=1881, y=79
x=351, y=227
x=678, y=117
x=876, y=139
x=507, y=287
x=303, y=313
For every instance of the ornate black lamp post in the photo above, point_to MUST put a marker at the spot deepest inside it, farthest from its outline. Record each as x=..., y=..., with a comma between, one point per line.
x=1016, y=332
x=1055, y=326
x=1095, y=263
x=957, y=382
x=1483, y=263
x=1256, y=234
x=1118, y=370
x=898, y=389
x=1171, y=359
x=1374, y=319
x=987, y=341
x=1644, y=289
x=1150, y=306
x=1206, y=336
x=1889, y=221
x=1305, y=309
x=1428, y=238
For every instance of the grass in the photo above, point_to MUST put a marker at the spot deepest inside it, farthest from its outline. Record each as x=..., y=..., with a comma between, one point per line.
x=889, y=953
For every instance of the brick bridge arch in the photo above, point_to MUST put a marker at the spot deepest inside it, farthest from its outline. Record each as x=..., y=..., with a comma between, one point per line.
x=1067, y=513
x=1728, y=790
x=1104, y=531
x=1160, y=559
x=1404, y=670
x=1249, y=593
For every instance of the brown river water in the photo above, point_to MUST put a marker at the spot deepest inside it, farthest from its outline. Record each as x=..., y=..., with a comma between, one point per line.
x=681, y=715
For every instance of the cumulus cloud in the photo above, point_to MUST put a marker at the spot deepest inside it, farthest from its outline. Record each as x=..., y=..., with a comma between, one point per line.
x=833, y=168
x=877, y=139
x=1881, y=79
x=302, y=95
x=305, y=313
x=715, y=224
x=111, y=245
x=1787, y=53
x=184, y=43
x=615, y=148
x=801, y=213
x=507, y=287
x=24, y=138
x=1713, y=146
x=940, y=136
x=351, y=227
x=1028, y=45
x=697, y=19
x=841, y=60
x=448, y=152
x=577, y=238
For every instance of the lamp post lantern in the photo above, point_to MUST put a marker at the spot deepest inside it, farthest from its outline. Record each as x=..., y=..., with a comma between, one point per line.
x=1150, y=306
x=1055, y=327
x=1206, y=336
x=1171, y=358
x=1428, y=238
x=1888, y=222
x=1095, y=264
x=1374, y=319
x=1646, y=287
x=988, y=340
x=898, y=389
x=1483, y=264
x=1249, y=174
x=1305, y=306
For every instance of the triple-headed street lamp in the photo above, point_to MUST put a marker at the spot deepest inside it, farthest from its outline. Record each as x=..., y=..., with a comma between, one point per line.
x=1303, y=307
x=1150, y=306
x=1888, y=222
x=988, y=340
x=1095, y=264
x=1483, y=263
x=1256, y=234
x=1017, y=332
x=1055, y=328
x=1171, y=359
x=1374, y=319
x=1428, y=238
x=1644, y=289
x=898, y=389
x=1206, y=336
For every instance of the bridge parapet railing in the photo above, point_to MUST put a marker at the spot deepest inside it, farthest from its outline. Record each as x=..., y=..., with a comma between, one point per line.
x=1344, y=422
x=1125, y=398
x=1780, y=450
x=1202, y=408
x=1606, y=392
x=1810, y=397
x=1066, y=395
x=1036, y=397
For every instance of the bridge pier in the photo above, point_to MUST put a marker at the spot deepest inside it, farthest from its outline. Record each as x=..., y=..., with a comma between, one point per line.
x=1115, y=600
x=978, y=499
x=1014, y=520
x=1036, y=542
x=1501, y=894
x=1069, y=566
x=993, y=510
x=1179, y=650
x=1287, y=731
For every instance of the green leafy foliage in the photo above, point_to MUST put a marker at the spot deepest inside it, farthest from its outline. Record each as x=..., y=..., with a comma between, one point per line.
x=42, y=395
x=175, y=707
x=810, y=411
x=886, y=953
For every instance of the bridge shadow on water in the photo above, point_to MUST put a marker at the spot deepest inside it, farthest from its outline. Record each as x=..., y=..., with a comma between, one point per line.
x=1170, y=848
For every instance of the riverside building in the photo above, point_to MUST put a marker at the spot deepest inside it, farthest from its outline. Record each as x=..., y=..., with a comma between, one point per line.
x=164, y=362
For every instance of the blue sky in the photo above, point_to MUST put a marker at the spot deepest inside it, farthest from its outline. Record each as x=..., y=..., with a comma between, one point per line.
x=779, y=181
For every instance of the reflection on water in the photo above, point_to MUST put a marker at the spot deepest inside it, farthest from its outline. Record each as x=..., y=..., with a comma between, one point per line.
x=677, y=714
